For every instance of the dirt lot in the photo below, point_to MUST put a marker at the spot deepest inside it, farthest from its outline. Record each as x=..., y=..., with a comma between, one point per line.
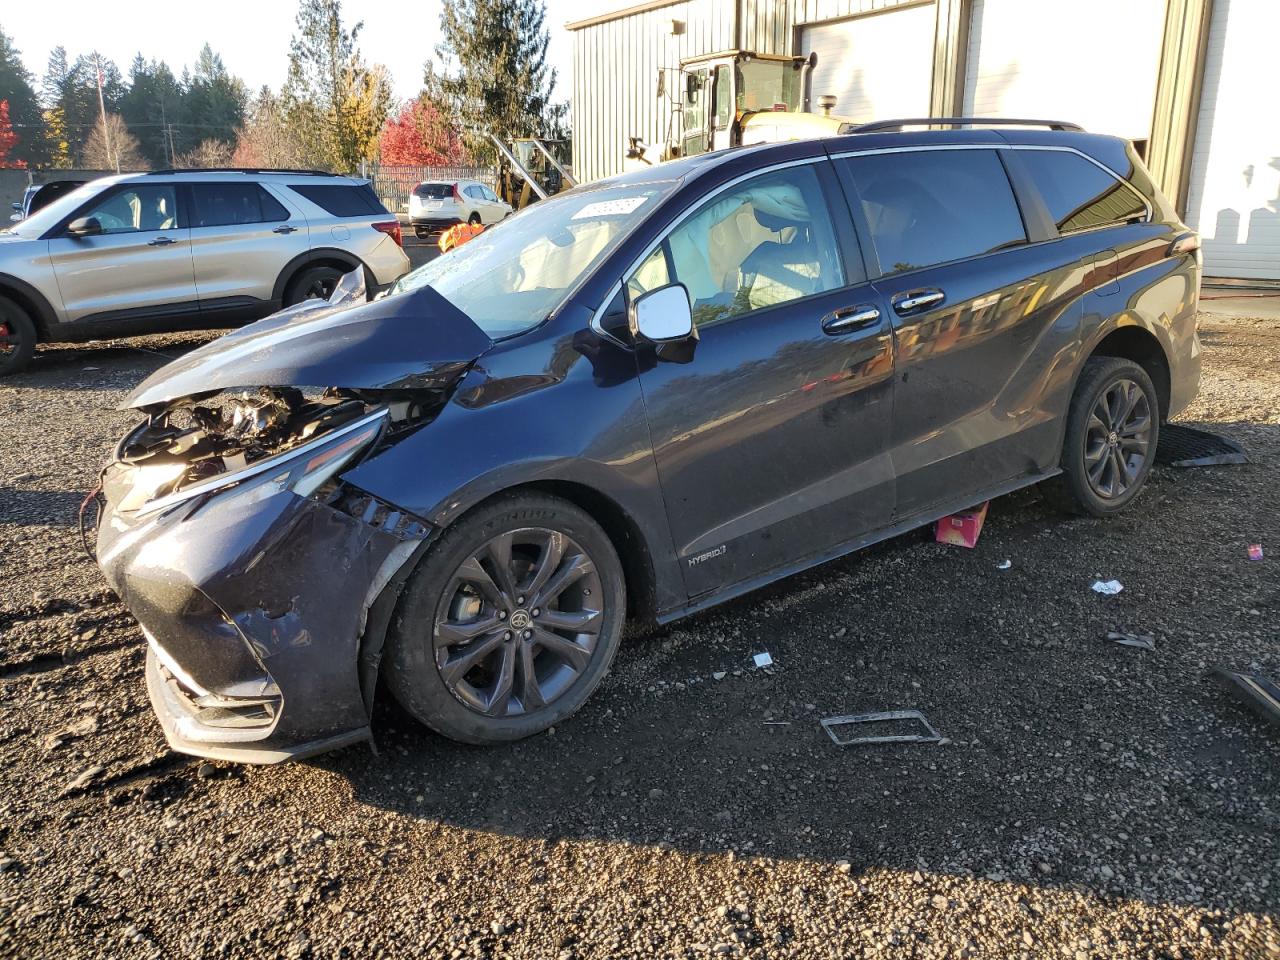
x=1093, y=800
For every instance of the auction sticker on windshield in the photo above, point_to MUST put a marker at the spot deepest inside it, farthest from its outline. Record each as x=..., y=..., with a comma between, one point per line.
x=609, y=208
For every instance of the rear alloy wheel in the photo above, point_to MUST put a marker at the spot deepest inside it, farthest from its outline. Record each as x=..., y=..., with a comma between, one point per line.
x=17, y=337
x=312, y=283
x=1113, y=426
x=510, y=622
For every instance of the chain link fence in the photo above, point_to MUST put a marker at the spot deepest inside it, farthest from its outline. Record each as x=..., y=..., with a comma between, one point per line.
x=393, y=183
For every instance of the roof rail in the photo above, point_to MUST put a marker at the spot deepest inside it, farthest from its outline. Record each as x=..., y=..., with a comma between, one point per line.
x=285, y=170
x=883, y=126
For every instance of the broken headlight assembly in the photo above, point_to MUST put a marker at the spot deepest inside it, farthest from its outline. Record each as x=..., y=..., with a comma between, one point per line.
x=261, y=445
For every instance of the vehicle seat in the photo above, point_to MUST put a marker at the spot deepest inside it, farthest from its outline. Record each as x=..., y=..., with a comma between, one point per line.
x=780, y=270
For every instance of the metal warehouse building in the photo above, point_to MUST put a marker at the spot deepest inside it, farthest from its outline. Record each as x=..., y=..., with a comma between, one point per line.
x=1191, y=78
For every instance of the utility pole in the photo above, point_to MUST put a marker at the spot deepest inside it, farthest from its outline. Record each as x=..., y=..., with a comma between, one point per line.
x=112, y=155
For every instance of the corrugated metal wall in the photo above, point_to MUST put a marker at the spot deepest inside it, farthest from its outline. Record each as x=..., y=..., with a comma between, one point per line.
x=615, y=65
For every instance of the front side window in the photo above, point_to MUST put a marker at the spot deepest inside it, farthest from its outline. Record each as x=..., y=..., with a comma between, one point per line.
x=135, y=208
x=764, y=242
x=509, y=280
x=224, y=204
x=935, y=206
x=1080, y=195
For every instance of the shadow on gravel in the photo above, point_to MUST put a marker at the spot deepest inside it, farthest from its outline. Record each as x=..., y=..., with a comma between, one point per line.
x=1072, y=763
x=85, y=366
x=24, y=508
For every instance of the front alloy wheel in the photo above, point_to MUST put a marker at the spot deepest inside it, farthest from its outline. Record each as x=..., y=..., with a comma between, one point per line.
x=519, y=622
x=509, y=622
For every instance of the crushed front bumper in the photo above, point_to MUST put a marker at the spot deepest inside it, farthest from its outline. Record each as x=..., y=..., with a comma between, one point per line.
x=255, y=611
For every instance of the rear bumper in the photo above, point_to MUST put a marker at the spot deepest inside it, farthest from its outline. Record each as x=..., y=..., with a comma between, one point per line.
x=434, y=223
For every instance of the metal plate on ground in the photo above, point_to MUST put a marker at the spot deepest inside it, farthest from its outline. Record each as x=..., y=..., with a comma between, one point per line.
x=912, y=718
x=1181, y=446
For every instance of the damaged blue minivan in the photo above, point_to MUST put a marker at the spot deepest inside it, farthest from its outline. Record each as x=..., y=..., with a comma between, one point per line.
x=637, y=399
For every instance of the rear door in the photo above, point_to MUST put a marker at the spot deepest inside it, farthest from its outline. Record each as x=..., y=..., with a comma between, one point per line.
x=984, y=322
x=138, y=267
x=242, y=237
x=771, y=437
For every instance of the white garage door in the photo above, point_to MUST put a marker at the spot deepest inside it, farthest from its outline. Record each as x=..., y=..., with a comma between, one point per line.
x=1234, y=195
x=878, y=66
x=1093, y=62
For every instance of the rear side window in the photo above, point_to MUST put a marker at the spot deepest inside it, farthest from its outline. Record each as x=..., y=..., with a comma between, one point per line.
x=434, y=191
x=224, y=204
x=341, y=199
x=935, y=206
x=1080, y=195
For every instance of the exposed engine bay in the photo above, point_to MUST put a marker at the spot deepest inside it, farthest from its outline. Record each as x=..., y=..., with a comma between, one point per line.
x=199, y=439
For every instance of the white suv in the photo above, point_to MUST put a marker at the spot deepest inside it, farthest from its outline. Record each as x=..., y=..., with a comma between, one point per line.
x=186, y=249
x=439, y=204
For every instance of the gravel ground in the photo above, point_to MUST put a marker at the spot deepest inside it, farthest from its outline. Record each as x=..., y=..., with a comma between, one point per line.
x=1091, y=801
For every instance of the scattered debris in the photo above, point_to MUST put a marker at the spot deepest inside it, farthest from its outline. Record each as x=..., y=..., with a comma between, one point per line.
x=963, y=528
x=1255, y=551
x=831, y=723
x=763, y=660
x=718, y=675
x=1004, y=564
x=84, y=779
x=1254, y=690
x=1181, y=446
x=1108, y=587
x=1141, y=641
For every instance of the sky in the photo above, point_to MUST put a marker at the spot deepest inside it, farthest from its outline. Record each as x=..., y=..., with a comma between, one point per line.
x=252, y=36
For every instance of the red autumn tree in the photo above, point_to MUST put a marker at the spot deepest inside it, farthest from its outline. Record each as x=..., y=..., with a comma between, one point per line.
x=418, y=134
x=8, y=139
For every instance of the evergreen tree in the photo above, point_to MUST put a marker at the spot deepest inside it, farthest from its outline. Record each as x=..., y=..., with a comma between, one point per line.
x=154, y=101
x=16, y=89
x=496, y=78
x=214, y=102
x=333, y=102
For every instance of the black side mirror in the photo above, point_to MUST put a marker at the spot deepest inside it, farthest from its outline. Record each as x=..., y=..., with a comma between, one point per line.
x=84, y=227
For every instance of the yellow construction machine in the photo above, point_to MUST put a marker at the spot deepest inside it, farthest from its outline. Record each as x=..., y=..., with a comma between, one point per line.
x=736, y=98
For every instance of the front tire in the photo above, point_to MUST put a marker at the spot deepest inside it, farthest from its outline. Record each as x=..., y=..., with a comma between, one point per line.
x=510, y=621
x=1113, y=426
x=474, y=219
x=17, y=337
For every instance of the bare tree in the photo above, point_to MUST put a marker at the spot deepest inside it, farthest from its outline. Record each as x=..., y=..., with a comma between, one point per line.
x=205, y=154
x=267, y=140
x=112, y=147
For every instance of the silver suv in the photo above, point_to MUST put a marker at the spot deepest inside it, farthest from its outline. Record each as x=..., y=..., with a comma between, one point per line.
x=175, y=250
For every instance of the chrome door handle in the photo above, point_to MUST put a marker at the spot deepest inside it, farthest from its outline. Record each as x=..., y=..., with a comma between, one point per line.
x=848, y=319
x=914, y=300
x=284, y=228
x=161, y=242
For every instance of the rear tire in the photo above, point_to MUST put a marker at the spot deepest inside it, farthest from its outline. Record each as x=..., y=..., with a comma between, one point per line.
x=1113, y=427
x=17, y=337
x=312, y=283
x=473, y=219
x=467, y=638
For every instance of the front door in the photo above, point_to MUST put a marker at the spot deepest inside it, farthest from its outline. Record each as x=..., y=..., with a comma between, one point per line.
x=697, y=97
x=723, y=108
x=974, y=307
x=771, y=440
x=242, y=238
x=139, y=266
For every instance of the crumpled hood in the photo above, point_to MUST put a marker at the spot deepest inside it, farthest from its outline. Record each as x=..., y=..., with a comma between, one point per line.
x=411, y=340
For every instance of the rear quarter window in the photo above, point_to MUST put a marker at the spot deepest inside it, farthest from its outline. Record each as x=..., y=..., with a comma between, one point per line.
x=935, y=206
x=341, y=199
x=1079, y=194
